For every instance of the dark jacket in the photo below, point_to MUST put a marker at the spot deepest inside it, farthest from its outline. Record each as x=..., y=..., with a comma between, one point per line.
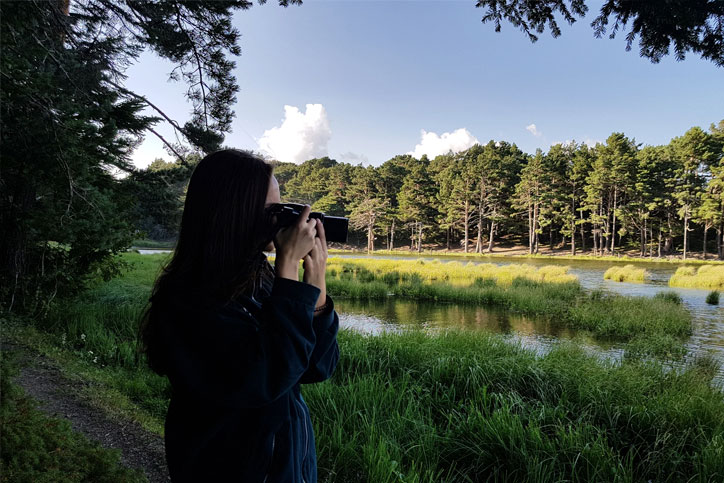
x=236, y=412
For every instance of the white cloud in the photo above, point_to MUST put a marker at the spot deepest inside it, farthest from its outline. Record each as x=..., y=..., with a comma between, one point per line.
x=434, y=145
x=302, y=135
x=588, y=142
x=354, y=158
x=534, y=130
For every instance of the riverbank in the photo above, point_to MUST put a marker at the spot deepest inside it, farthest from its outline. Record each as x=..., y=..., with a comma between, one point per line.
x=464, y=406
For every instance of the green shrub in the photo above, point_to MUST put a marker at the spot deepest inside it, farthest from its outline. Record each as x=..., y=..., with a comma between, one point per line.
x=713, y=298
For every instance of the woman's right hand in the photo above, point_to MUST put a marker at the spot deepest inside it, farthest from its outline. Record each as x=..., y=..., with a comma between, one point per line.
x=294, y=243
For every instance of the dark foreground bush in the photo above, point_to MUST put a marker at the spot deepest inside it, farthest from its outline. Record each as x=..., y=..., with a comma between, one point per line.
x=36, y=448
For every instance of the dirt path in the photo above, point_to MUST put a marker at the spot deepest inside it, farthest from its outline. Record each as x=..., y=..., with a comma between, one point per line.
x=60, y=397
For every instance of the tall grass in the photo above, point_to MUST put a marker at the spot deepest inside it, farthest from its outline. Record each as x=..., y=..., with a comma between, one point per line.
x=469, y=407
x=627, y=273
x=706, y=276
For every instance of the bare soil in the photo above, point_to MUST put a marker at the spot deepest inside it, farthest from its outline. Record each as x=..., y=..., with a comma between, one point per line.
x=60, y=397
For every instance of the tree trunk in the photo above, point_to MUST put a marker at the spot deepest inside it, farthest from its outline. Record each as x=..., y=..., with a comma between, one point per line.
x=583, y=233
x=550, y=242
x=642, y=239
x=392, y=236
x=419, y=238
x=466, y=218
x=613, y=228
x=448, y=238
x=686, y=230
x=536, y=210
x=706, y=230
x=573, y=236
x=492, y=235
x=479, y=239
x=530, y=230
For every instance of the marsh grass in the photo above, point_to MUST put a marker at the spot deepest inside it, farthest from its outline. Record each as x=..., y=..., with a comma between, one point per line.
x=712, y=298
x=627, y=273
x=520, y=288
x=706, y=276
x=460, y=406
x=454, y=273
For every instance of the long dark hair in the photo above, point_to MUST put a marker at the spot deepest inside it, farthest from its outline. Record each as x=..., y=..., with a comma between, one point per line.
x=219, y=252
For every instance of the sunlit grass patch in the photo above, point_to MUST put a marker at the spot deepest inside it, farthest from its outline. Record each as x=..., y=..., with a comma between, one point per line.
x=706, y=276
x=455, y=273
x=627, y=273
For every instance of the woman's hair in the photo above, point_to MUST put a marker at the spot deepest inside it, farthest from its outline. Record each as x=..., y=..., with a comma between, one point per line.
x=219, y=252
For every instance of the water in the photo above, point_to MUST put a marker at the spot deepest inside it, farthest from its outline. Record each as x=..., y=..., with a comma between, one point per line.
x=537, y=333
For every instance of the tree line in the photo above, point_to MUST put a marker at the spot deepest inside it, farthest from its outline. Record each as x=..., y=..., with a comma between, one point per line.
x=605, y=198
x=68, y=121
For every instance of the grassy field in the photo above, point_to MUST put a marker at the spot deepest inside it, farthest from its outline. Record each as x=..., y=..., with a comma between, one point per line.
x=706, y=276
x=627, y=273
x=457, y=406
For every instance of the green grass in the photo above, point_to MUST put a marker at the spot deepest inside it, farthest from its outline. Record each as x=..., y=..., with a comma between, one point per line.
x=459, y=406
x=38, y=448
x=627, y=273
x=706, y=276
x=469, y=407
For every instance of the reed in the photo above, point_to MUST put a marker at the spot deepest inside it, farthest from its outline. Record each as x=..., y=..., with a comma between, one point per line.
x=627, y=273
x=706, y=276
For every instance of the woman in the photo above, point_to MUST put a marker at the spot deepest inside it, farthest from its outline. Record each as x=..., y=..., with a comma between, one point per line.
x=237, y=337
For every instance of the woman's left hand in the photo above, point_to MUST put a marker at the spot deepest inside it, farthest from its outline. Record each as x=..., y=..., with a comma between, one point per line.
x=315, y=264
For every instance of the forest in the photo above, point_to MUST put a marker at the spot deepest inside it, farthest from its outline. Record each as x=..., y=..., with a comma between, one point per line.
x=610, y=198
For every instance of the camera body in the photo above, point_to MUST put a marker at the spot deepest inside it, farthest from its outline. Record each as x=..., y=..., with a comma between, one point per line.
x=335, y=227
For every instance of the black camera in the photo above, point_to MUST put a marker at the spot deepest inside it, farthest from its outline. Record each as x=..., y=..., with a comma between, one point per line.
x=335, y=227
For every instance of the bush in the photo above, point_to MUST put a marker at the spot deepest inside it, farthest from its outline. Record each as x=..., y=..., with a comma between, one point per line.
x=713, y=298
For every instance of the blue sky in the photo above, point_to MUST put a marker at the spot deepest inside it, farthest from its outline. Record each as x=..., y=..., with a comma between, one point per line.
x=376, y=74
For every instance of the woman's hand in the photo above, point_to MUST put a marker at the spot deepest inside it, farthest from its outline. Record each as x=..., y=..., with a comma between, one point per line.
x=315, y=264
x=294, y=243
